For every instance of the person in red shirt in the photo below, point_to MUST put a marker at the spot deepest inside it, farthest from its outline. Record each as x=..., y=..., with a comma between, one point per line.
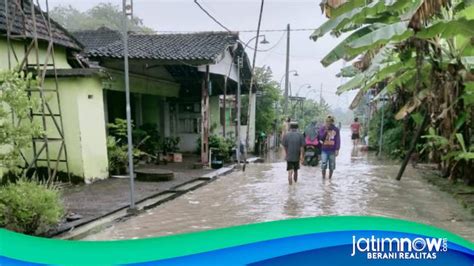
x=355, y=128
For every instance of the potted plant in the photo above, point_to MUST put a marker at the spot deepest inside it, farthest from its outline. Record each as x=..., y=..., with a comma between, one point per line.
x=169, y=148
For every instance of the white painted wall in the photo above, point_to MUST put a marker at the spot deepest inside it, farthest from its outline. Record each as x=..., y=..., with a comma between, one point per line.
x=224, y=67
x=188, y=142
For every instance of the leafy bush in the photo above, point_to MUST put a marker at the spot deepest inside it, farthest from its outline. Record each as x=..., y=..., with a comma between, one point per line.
x=30, y=207
x=392, y=142
x=118, y=129
x=223, y=145
x=117, y=156
x=170, y=145
x=153, y=143
x=145, y=144
x=392, y=134
x=15, y=102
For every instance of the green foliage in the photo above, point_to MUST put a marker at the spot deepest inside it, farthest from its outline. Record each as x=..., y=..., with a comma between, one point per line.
x=146, y=144
x=392, y=32
x=30, y=207
x=149, y=137
x=118, y=129
x=392, y=142
x=16, y=130
x=392, y=134
x=267, y=98
x=434, y=141
x=312, y=111
x=103, y=14
x=117, y=154
x=222, y=145
x=170, y=145
x=341, y=51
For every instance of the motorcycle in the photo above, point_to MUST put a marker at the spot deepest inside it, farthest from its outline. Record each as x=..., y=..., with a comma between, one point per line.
x=311, y=155
x=312, y=151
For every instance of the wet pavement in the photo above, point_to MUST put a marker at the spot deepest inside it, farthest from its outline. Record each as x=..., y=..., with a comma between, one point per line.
x=92, y=201
x=361, y=185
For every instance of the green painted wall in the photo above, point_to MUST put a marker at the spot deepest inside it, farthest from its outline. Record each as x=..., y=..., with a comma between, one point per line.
x=82, y=110
x=215, y=119
x=92, y=125
x=151, y=109
x=18, y=48
x=140, y=84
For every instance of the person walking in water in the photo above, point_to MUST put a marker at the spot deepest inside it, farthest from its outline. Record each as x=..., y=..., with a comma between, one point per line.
x=294, y=144
x=355, y=128
x=330, y=141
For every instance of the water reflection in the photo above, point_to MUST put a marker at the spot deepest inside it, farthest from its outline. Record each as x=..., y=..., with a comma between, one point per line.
x=291, y=207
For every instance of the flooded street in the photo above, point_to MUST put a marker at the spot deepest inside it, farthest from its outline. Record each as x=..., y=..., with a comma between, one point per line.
x=362, y=185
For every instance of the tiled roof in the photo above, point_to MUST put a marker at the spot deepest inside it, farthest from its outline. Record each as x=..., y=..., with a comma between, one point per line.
x=60, y=35
x=95, y=39
x=202, y=46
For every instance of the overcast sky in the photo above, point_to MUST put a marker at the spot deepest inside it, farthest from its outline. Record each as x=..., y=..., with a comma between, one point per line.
x=185, y=15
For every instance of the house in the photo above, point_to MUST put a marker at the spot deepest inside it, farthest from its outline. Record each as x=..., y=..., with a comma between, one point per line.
x=167, y=80
x=177, y=81
x=72, y=95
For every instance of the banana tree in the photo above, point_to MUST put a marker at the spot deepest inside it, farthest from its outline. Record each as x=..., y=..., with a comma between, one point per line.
x=422, y=48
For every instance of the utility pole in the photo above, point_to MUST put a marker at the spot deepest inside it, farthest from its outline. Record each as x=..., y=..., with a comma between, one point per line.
x=237, y=130
x=321, y=95
x=381, y=126
x=287, y=71
x=252, y=77
x=127, y=10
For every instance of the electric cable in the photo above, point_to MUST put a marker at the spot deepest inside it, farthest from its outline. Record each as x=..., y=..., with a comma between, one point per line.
x=211, y=16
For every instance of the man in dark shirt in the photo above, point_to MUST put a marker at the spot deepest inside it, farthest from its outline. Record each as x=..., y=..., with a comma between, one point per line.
x=294, y=144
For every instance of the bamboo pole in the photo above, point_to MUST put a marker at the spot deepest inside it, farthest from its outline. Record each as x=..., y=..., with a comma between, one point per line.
x=412, y=146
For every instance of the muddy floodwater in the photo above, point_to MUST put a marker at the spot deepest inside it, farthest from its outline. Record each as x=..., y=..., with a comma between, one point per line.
x=361, y=185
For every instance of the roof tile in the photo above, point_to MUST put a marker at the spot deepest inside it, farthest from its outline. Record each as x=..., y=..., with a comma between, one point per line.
x=60, y=35
x=187, y=47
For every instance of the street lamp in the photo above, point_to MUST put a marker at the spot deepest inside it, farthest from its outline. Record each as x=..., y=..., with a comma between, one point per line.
x=307, y=85
x=291, y=71
x=313, y=90
x=264, y=41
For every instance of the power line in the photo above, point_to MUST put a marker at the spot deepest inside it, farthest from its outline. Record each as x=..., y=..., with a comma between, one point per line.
x=298, y=56
x=267, y=30
x=209, y=15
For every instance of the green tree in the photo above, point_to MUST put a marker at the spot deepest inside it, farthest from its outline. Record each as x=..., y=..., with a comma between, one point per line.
x=16, y=130
x=268, y=96
x=313, y=111
x=103, y=14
